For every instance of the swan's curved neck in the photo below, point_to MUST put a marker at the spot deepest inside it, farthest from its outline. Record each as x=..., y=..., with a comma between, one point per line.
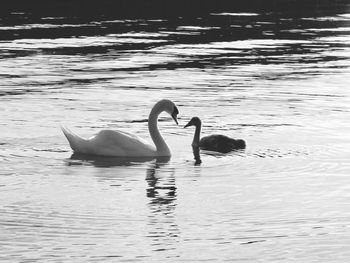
x=162, y=147
x=196, y=136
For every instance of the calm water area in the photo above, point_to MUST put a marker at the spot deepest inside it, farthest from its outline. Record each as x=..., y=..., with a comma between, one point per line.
x=278, y=80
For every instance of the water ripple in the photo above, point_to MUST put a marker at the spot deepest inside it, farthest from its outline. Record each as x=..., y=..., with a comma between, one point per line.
x=278, y=80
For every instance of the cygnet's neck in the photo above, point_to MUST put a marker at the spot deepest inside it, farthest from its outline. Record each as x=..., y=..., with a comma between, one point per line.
x=196, y=136
x=162, y=147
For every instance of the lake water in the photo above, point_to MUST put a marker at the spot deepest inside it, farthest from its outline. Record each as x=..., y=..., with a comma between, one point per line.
x=279, y=81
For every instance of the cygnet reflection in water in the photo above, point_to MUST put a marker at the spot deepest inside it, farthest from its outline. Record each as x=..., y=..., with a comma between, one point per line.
x=196, y=155
x=215, y=142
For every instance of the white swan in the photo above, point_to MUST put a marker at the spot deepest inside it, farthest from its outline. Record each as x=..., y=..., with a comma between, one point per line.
x=122, y=144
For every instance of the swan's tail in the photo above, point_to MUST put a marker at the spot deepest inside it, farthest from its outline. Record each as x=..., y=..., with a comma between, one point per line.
x=77, y=143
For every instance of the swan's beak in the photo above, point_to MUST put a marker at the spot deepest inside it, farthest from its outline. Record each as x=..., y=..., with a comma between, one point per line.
x=174, y=116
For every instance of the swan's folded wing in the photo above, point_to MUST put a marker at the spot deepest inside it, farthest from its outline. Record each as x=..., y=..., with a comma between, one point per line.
x=117, y=143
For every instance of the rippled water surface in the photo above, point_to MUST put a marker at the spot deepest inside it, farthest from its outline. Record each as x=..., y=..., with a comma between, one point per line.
x=277, y=80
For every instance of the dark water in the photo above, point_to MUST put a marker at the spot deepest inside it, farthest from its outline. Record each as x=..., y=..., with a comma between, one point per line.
x=273, y=75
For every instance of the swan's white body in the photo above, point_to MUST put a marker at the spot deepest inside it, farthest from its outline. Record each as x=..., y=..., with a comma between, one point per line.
x=123, y=144
x=110, y=143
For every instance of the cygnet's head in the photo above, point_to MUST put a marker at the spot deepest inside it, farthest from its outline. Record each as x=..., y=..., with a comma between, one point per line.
x=195, y=121
x=169, y=107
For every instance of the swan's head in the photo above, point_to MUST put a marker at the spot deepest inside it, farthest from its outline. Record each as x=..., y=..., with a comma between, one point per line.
x=195, y=121
x=169, y=107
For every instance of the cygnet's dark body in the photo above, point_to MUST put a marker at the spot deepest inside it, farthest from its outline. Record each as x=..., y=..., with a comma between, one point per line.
x=216, y=142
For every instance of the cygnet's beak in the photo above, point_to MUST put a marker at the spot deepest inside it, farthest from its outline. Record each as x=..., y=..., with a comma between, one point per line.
x=188, y=124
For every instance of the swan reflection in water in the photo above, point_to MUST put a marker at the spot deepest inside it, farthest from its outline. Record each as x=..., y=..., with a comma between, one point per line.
x=155, y=185
x=108, y=161
x=162, y=193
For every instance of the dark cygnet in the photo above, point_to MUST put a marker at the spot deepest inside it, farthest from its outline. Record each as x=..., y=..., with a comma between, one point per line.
x=215, y=142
